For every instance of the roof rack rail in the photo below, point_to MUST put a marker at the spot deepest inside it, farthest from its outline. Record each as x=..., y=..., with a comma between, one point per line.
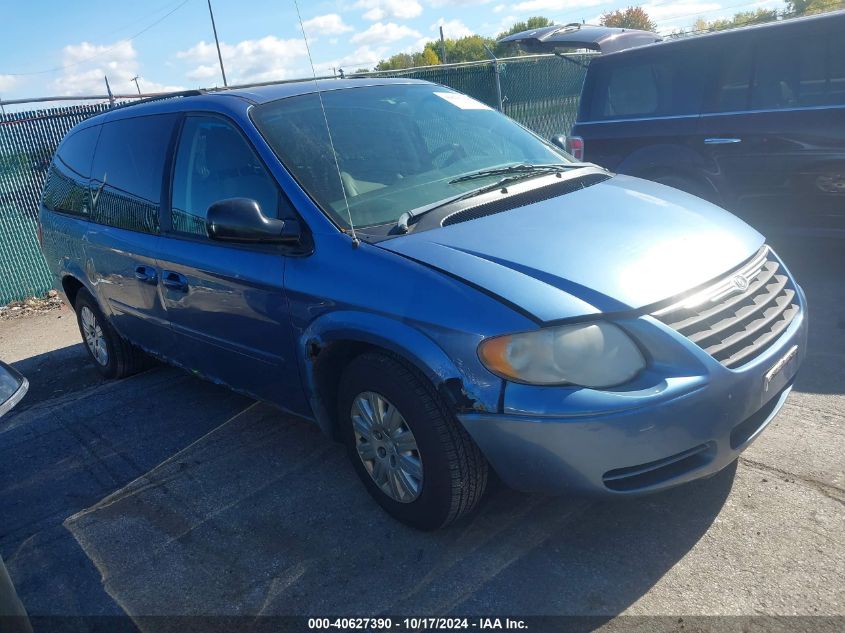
x=160, y=97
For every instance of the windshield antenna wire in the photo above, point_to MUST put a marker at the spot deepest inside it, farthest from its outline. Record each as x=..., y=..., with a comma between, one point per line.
x=355, y=241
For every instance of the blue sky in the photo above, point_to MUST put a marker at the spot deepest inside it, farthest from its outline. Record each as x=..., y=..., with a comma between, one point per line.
x=65, y=47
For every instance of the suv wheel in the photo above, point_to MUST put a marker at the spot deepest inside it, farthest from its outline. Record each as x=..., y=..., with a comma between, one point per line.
x=413, y=456
x=113, y=356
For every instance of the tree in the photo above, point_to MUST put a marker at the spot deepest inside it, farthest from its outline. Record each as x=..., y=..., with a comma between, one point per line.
x=630, y=18
x=812, y=7
x=536, y=22
x=512, y=48
x=743, y=18
x=429, y=57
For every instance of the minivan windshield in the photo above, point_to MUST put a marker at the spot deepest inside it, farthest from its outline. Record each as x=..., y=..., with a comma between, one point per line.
x=399, y=147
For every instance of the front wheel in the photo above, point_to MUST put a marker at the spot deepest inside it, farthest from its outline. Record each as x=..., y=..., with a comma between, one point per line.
x=413, y=456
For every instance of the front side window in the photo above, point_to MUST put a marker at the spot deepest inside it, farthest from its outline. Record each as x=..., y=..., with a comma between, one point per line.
x=214, y=162
x=66, y=188
x=126, y=177
x=398, y=147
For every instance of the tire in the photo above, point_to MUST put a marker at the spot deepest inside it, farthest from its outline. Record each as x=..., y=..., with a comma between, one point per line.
x=112, y=355
x=453, y=472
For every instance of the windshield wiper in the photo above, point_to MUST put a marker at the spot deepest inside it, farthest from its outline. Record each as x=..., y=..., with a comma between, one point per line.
x=523, y=169
x=511, y=173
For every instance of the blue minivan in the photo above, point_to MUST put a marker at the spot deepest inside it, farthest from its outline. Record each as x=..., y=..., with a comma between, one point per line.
x=429, y=282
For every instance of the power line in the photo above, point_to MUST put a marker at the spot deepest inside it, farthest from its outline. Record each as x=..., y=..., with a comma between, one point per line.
x=103, y=52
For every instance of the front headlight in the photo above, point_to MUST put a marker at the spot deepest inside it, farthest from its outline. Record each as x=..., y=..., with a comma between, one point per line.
x=597, y=354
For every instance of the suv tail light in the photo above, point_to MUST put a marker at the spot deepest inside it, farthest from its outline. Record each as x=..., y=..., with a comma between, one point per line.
x=39, y=233
x=575, y=146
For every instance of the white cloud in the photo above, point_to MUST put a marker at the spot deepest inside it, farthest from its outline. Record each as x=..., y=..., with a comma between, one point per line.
x=661, y=12
x=376, y=10
x=264, y=59
x=381, y=33
x=550, y=5
x=457, y=3
x=86, y=65
x=7, y=82
x=452, y=29
x=329, y=24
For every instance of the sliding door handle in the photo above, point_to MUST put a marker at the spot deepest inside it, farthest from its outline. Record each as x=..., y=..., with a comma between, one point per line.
x=722, y=141
x=174, y=280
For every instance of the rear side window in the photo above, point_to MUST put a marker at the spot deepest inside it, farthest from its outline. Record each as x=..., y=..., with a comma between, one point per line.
x=126, y=177
x=733, y=79
x=66, y=188
x=667, y=84
x=215, y=162
x=790, y=73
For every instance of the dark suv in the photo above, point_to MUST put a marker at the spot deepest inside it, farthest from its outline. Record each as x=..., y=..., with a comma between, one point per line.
x=752, y=119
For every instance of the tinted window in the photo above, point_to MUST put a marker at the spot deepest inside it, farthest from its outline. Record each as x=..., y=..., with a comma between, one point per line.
x=658, y=85
x=128, y=170
x=215, y=162
x=790, y=73
x=66, y=188
x=733, y=80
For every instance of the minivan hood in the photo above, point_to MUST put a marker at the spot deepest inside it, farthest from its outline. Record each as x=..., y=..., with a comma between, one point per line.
x=618, y=245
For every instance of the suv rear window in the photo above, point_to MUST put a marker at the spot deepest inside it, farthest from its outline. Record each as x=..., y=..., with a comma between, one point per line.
x=66, y=189
x=128, y=169
x=648, y=85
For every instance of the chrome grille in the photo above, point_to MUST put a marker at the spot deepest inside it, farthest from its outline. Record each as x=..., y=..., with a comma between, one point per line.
x=736, y=318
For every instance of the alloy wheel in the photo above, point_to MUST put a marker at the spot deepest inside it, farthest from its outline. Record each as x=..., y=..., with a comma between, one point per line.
x=94, y=339
x=387, y=447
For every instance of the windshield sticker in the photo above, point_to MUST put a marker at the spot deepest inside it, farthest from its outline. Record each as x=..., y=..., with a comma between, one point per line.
x=462, y=101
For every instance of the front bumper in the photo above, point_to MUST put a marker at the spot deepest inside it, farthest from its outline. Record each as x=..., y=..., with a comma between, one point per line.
x=686, y=418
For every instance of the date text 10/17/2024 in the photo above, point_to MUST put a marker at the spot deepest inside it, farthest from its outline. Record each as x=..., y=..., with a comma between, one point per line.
x=416, y=624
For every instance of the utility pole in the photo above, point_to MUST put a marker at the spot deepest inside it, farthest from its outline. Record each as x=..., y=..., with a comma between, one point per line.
x=442, y=47
x=216, y=41
x=135, y=79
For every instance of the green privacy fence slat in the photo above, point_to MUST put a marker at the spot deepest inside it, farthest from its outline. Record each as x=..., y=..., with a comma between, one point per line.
x=27, y=143
x=540, y=92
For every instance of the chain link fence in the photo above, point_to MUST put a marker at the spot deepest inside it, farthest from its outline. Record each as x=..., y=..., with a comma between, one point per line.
x=541, y=92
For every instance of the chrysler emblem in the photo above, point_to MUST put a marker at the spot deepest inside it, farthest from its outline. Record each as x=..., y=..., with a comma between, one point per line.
x=740, y=282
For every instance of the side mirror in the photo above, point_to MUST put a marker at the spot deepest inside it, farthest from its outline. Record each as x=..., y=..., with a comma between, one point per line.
x=13, y=387
x=559, y=140
x=241, y=220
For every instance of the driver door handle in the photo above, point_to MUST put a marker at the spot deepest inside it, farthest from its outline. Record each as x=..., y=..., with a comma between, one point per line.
x=722, y=141
x=174, y=280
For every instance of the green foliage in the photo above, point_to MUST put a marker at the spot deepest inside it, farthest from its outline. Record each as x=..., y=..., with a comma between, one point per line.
x=427, y=57
x=630, y=18
x=743, y=18
x=510, y=49
x=812, y=7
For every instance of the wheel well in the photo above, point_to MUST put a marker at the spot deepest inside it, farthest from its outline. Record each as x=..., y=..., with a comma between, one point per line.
x=71, y=286
x=329, y=362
